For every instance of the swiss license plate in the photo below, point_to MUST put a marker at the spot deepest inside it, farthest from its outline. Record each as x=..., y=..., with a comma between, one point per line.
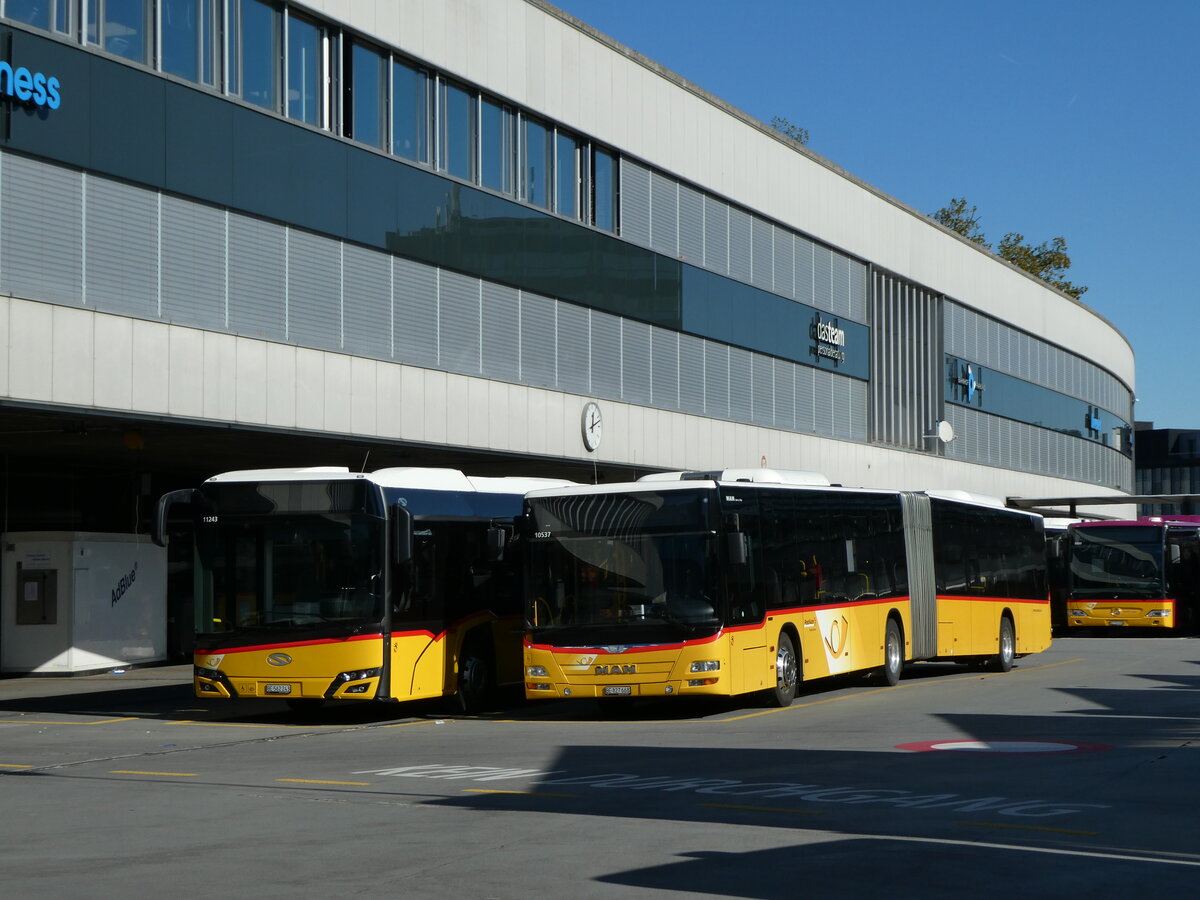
x=618, y=690
x=277, y=689
x=1115, y=623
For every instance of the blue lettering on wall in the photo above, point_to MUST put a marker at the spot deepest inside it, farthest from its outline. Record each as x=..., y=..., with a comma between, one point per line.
x=124, y=584
x=30, y=87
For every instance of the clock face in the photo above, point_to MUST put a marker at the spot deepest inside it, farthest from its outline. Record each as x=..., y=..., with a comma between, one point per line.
x=592, y=426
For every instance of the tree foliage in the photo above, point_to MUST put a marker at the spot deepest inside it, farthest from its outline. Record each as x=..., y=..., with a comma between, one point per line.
x=957, y=217
x=1048, y=260
x=785, y=127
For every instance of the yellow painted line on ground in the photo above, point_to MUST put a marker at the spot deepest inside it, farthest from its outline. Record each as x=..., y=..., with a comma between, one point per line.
x=234, y=724
x=13, y=766
x=771, y=809
x=1029, y=828
x=927, y=682
x=525, y=793
x=316, y=781
x=44, y=722
x=166, y=774
x=422, y=722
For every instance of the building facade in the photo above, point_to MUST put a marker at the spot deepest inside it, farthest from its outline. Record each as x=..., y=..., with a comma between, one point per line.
x=248, y=232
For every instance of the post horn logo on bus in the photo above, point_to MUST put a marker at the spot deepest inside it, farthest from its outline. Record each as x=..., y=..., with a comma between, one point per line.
x=279, y=659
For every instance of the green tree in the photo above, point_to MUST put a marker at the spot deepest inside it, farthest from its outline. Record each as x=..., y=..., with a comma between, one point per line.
x=795, y=132
x=963, y=220
x=1048, y=260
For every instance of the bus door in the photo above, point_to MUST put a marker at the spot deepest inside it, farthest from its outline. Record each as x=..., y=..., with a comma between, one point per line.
x=748, y=588
x=418, y=659
x=1182, y=564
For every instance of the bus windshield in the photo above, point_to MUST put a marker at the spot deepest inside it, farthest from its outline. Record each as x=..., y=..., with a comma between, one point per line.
x=264, y=576
x=1117, y=562
x=622, y=568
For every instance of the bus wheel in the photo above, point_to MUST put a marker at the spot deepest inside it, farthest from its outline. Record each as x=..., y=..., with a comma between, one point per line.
x=893, y=654
x=1008, y=646
x=787, y=673
x=475, y=682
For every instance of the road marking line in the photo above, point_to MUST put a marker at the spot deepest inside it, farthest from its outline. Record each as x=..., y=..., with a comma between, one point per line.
x=13, y=766
x=1029, y=848
x=525, y=793
x=1029, y=828
x=44, y=722
x=235, y=724
x=773, y=809
x=903, y=685
x=315, y=781
x=404, y=724
x=168, y=774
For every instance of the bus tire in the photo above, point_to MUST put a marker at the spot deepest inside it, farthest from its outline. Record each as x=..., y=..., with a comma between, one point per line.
x=1006, y=652
x=476, y=680
x=787, y=673
x=893, y=654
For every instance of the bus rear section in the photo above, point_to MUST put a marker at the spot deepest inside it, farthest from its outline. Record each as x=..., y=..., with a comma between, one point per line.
x=320, y=584
x=1137, y=574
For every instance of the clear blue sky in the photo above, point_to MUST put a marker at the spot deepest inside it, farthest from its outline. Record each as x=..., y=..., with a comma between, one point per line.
x=1078, y=119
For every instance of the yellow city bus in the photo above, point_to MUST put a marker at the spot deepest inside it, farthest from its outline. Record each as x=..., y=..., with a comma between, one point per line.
x=727, y=583
x=1138, y=574
x=320, y=584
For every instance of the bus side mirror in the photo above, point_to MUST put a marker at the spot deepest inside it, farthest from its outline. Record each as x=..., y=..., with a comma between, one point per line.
x=402, y=532
x=1176, y=553
x=158, y=527
x=497, y=539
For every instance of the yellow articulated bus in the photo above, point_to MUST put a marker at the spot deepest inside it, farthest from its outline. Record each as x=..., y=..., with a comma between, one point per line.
x=727, y=583
x=321, y=584
x=1143, y=573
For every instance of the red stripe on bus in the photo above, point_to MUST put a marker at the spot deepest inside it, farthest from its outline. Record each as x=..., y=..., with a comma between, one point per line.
x=313, y=643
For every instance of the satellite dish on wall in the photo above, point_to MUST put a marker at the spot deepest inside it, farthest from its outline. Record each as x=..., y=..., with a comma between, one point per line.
x=943, y=431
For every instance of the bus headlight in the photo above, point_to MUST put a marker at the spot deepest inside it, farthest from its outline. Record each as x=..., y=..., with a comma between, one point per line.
x=1077, y=612
x=536, y=672
x=1158, y=613
x=705, y=665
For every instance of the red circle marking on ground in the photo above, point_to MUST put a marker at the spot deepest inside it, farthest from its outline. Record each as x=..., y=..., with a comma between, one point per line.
x=1004, y=746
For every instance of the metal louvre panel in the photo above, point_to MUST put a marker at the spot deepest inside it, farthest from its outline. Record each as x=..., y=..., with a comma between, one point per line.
x=460, y=322
x=635, y=202
x=922, y=581
x=538, y=330
x=804, y=269
x=664, y=215
x=716, y=380
x=635, y=362
x=257, y=280
x=762, y=384
x=121, y=229
x=741, y=398
x=691, y=374
x=41, y=220
x=859, y=300
x=574, y=343
x=805, y=401
x=366, y=302
x=762, y=253
x=859, y=402
x=740, y=245
x=606, y=355
x=691, y=225
x=823, y=402
x=664, y=374
x=716, y=235
x=193, y=263
x=415, y=313
x=842, y=401
x=840, y=278
x=823, y=277
x=501, y=332
x=314, y=291
x=785, y=395
x=785, y=263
